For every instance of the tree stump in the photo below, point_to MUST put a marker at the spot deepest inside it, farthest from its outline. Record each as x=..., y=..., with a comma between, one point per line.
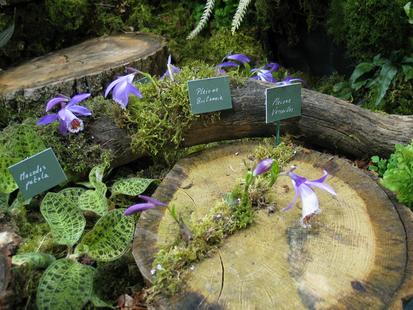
x=356, y=255
x=86, y=67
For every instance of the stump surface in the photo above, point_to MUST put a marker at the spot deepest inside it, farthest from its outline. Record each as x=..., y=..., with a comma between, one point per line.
x=355, y=255
x=88, y=66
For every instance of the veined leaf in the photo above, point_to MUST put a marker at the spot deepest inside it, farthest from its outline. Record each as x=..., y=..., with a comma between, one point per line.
x=99, y=303
x=65, y=219
x=72, y=193
x=109, y=238
x=408, y=72
x=20, y=201
x=96, y=175
x=130, y=186
x=33, y=259
x=359, y=71
x=385, y=78
x=4, y=201
x=7, y=183
x=66, y=284
x=92, y=200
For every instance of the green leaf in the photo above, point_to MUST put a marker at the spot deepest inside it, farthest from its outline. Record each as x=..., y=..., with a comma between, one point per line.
x=110, y=237
x=4, y=201
x=359, y=71
x=7, y=183
x=385, y=78
x=96, y=175
x=130, y=186
x=99, y=303
x=6, y=35
x=65, y=219
x=409, y=11
x=72, y=193
x=399, y=174
x=92, y=200
x=20, y=201
x=375, y=159
x=408, y=72
x=66, y=284
x=33, y=259
x=24, y=142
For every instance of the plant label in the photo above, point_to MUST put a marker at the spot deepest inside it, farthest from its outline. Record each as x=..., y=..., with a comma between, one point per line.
x=38, y=173
x=209, y=95
x=282, y=102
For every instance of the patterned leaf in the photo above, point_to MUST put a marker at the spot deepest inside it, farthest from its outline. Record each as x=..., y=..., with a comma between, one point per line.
x=66, y=284
x=33, y=259
x=92, y=200
x=96, y=175
x=131, y=186
x=24, y=142
x=72, y=193
x=6, y=35
x=65, y=219
x=7, y=183
x=20, y=201
x=99, y=303
x=110, y=237
x=4, y=201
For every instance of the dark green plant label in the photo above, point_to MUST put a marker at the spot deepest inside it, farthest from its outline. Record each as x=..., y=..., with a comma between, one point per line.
x=209, y=95
x=282, y=102
x=38, y=173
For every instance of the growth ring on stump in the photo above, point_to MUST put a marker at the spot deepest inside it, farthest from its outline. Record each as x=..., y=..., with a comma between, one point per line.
x=355, y=255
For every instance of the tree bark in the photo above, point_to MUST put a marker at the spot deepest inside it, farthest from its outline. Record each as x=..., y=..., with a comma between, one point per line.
x=357, y=254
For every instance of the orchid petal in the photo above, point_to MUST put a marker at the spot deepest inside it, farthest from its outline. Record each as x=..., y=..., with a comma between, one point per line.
x=139, y=208
x=66, y=116
x=292, y=203
x=75, y=125
x=132, y=89
x=152, y=200
x=62, y=127
x=129, y=78
x=227, y=64
x=323, y=186
x=298, y=179
x=309, y=201
x=47, y=119
x=78, y=98
x=79, y=110
x=239, y=57
x=111, y=85
x=263, y=166
x=272, y=66
x=120, y=95
x=52, y=102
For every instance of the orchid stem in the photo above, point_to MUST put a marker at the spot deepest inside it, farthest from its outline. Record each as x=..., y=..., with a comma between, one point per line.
x=277, y=136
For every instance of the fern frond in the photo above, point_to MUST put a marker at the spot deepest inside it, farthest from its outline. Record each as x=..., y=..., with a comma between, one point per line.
x=204, y=19
x=239, y=14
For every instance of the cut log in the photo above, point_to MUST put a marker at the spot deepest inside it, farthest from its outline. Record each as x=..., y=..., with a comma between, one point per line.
x=86, y=67
x=356, y=255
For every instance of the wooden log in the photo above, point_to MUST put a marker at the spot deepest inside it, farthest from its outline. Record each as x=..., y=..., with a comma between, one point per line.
x=356, y=255
x=326, y=122
x=86, y=67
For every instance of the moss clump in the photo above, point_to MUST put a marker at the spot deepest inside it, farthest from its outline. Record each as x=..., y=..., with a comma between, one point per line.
x=157, y=121
x=282, y=153
x=369, y=27
x=67, y=14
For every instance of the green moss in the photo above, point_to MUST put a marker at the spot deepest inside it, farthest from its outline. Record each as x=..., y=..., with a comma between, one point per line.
x=157, y=121
x=67, y=14
x=399, y=99
x=369, y=27
x=281, y=153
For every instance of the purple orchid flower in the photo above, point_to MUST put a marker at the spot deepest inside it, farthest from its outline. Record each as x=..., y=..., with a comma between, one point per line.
x=289, y=80
x=234, y=60
x=265, y=73
x=122, y=87
x=263, y=166
x=66, y=116
x=170, y=70
x=149, y=203
x=309, y=199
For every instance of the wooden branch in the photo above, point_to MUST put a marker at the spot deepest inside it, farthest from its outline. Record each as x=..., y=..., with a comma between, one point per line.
x=326, y=122
x=357, y=254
